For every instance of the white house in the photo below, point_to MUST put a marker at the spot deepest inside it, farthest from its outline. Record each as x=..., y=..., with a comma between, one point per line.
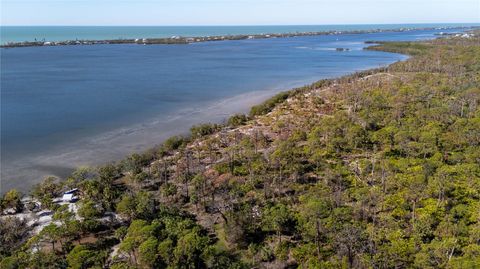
x=70, y=196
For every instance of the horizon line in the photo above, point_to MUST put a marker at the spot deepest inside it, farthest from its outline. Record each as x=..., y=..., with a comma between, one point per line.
x=226, y=25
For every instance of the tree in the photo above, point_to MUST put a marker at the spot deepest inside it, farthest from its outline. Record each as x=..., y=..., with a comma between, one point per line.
x=147, y=252
x=107, y=174
x=189, y=250
x=79, y=175
x=145, y=205
x=135, y=163
x=350, y=242
x=81, y=257
x=126, y=206
x=138, y=232
x=11, y=199
x=70, y=228
x=13, y=232
x=45, y=191
x=89, y=210
x=278, y=218
x=41, y=259
x=52, y=233
x=315, y=208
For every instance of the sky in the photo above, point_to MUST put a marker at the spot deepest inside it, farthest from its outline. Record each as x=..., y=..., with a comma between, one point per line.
x=236, y=12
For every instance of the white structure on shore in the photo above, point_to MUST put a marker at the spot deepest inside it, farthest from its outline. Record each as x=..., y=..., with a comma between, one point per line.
x=70, y=196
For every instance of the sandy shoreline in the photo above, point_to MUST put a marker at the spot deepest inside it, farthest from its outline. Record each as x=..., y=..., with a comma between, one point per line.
x=22, y=173
x=114, y=145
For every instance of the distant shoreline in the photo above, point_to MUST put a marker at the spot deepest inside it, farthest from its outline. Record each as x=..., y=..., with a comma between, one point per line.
x=62, y=169
x=189, y=40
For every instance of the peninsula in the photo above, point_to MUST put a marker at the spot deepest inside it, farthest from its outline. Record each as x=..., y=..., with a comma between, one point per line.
x=379, y=169
x=188, y=40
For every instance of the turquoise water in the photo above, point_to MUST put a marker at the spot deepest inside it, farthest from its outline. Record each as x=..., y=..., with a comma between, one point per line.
x=66, y=106
x=61, y=33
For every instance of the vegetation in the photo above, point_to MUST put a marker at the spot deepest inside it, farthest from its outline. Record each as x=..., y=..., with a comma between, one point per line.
x=268, y=105
x=379, y=169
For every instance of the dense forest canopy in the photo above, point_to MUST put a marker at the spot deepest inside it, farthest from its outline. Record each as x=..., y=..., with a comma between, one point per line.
x=380, y=169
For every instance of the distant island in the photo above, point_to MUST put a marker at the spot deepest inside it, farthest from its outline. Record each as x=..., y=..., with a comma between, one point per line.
x=188, y=40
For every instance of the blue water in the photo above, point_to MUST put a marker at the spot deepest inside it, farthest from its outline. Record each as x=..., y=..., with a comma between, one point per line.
x=72, y=105
x=61, y=33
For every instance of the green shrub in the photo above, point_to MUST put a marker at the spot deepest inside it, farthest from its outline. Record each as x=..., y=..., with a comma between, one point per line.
x=173, y=143
x=268, y=105
x=200, y=130
x=237, y=120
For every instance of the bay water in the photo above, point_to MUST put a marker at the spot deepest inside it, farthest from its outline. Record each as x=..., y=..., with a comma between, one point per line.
x=67, y=106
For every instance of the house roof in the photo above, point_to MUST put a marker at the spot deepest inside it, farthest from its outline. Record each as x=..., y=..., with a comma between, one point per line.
x=68, y=197
x=71, y=191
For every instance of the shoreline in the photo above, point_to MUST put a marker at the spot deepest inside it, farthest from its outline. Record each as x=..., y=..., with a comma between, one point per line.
x=338, y=158
x=65, y=159
x=179, y=40
x=60, y=161
x=57, y=165
x=136, y=138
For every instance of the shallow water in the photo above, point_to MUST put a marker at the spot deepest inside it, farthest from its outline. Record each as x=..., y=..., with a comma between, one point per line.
x=81, y=105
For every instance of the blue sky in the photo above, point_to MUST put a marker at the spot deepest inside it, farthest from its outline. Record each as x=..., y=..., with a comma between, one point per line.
x=235, y=12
